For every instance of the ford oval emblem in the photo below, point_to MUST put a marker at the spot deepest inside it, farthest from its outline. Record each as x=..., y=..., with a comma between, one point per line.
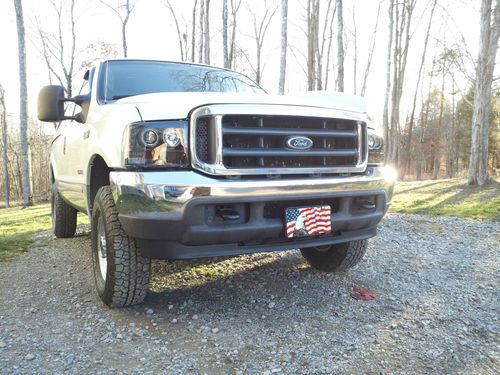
x=299, y=143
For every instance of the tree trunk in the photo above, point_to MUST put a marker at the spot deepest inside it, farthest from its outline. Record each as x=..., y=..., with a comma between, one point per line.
x=124, y=40
x=370, y=54
x=207, y=32
x=23, y=119
x=385, y=120
x=257, y=70
x=260, y=28
x=312, y=42
x=124, y=28
x=284, y=24
x=340, y=47
x=403, y=22
x=193, y=31
x=202, y=31
x=227, y=63
x=232, y=45
x=437, y=143
x=424, y=120
x=490, y=31
x=329, y=49
x=452, y=152
x=419, y=77
x=5, y=158
x=355, y=37
x=179, y=33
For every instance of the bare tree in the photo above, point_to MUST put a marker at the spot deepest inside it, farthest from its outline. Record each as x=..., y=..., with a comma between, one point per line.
x=58, y=55
x=284, y=35
x=193, y=31
x=260, y=27
x=328, y=19
x=403, y=12
x=371, y=48
x=355, y=39
x=419, y=77
x=23, y=118
x=181, y=36
x=330, y=40
x=340, y=47
x=490, y=31
x=201, y=41
x=385, y=119
x=437, y=144
x=207, y=32
x=225, y=48
x=235, y=6
x=312, y=42
x=123, y=10
x=5, y=158
x=424, y=119
x=94, y=52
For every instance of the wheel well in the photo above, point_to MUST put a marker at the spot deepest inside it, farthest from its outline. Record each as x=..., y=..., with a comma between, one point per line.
x=99, y=176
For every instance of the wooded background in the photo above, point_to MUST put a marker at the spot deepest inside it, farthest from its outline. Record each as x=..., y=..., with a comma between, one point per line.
x=435, y=125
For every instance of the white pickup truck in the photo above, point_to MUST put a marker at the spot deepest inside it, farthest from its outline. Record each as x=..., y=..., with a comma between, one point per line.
x=178, y=161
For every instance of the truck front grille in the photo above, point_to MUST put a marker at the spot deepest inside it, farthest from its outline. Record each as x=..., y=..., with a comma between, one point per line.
x=241, y=143
x=260, y=142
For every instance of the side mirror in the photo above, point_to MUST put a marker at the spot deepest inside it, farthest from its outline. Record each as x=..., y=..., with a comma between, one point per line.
x=51, y=104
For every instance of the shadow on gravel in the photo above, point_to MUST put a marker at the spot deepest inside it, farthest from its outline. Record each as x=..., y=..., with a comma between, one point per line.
x=222, y=285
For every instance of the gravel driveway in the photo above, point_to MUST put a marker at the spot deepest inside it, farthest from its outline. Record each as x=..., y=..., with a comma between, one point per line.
x=437, y=310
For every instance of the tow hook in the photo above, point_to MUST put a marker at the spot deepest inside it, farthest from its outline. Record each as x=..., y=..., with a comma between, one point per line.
x=228, y=214
x=366, y=204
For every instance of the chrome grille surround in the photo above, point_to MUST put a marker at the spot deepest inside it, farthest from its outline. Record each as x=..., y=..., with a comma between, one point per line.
x=216, y=165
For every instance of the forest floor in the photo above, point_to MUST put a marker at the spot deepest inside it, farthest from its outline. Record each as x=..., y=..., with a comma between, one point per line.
x=449, y=197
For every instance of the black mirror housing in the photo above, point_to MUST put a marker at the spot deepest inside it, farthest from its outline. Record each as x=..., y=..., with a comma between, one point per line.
x=51, y=104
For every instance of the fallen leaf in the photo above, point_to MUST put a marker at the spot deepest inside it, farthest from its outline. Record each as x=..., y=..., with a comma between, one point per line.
x=364, y=294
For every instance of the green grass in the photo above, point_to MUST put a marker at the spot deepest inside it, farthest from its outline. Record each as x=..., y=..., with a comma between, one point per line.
x=17, y=227
x=451, y=197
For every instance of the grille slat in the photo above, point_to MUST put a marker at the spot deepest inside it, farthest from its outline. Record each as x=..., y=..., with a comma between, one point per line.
x=275, y=131
x=258, y=152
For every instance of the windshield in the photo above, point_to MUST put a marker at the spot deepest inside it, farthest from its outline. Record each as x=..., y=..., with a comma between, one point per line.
x=130, y=77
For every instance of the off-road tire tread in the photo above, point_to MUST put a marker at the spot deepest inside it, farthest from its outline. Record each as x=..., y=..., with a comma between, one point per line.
x=128, y=272
x=338, y=258
x=65, y=223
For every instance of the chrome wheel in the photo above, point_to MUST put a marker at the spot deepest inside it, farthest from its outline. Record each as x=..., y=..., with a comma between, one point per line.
x=101, y=248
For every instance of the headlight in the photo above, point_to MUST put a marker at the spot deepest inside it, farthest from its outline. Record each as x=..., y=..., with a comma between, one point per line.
x=375, y=147
x=156, y=144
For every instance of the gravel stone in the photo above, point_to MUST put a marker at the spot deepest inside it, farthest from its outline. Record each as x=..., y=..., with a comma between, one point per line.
x=437, y=280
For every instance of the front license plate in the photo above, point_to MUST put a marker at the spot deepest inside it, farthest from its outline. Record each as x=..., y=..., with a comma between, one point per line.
x=307, y=221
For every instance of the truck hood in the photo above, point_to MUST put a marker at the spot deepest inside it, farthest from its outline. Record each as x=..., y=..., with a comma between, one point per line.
x=178, y=105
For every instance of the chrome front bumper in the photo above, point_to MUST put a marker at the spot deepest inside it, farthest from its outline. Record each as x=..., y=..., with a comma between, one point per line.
x=154, y=194
x=175, y=210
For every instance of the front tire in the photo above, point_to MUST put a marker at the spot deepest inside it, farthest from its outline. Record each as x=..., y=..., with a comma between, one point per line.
x=339, y=257
x=63, y=215
x=121, y=273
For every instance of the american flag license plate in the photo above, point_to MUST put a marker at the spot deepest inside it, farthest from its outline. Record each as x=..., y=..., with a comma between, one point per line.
x=307, y=221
